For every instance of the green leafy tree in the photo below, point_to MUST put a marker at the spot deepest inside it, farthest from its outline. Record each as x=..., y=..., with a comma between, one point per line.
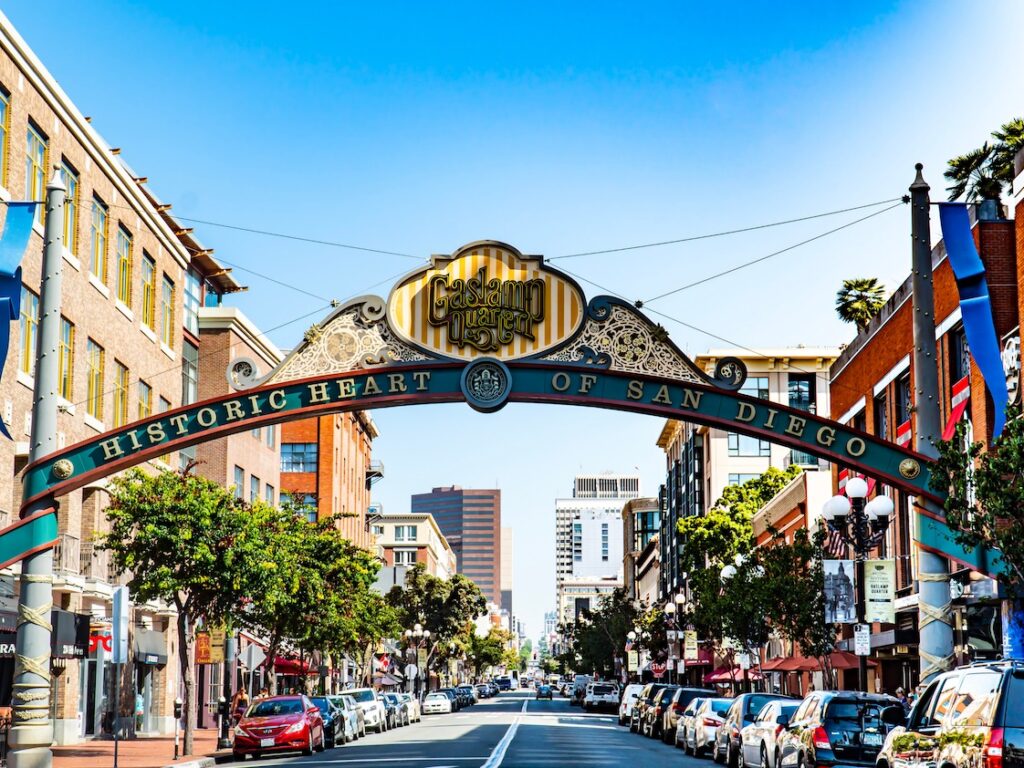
x=983, y=173
x=598, y=638
x=859, y=300
x=187, y=541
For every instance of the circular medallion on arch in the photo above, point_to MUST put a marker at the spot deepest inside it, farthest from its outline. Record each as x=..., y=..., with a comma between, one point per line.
x=486, y=384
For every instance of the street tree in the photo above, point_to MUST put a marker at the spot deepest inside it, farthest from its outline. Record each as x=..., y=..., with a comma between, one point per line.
x=187, y=541
x=984, y=173
x=859, y=300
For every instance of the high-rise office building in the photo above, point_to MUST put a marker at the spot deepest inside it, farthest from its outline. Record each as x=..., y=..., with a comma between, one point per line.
x=471, y=521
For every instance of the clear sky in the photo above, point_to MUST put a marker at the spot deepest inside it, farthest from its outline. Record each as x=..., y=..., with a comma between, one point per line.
x=559, y=128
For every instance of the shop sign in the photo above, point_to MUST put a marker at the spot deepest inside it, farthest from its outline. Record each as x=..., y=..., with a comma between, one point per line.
x=632, y=661
x=203, y=651
x=880, y=583
x=690, y=651
x=421, y=656
x=218, y=636
x=862, y=639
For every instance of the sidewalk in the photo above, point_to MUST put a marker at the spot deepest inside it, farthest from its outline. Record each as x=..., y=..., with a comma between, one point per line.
x=139, y=753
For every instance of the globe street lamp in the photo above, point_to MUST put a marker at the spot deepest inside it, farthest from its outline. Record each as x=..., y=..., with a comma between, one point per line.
x=861, y=524
x=416, y=638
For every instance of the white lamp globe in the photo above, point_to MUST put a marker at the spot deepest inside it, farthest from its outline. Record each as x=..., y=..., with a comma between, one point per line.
x=758, y=571
x=856, y=488
x=739, y=560
x=728, y=572
x=631, y=635
x=670, y=607
x=836, y=507
x=680, y=598
x=880, y=507
x=426, y=633
x=417, y=627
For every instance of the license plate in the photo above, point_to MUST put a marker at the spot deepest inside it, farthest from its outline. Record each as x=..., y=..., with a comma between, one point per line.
x=872, y=739
x=266, y=742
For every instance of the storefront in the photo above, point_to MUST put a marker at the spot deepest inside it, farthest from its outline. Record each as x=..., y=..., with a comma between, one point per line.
x=150, y=657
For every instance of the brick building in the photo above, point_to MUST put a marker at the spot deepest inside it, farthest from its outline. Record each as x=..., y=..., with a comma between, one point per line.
x=872, y=385
x=405, y=540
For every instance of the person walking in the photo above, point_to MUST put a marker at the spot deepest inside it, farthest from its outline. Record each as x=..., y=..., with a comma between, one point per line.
x=901, y=696
x=239, y=704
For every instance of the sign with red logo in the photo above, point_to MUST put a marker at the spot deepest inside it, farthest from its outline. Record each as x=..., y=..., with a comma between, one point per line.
x=658, y=670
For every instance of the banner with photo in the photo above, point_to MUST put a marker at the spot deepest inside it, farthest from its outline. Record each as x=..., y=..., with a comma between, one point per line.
x=880, y=583
x=840, y=604
x=690, y=651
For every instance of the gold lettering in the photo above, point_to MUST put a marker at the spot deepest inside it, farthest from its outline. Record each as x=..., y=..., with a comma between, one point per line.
x=346, y=389
x=826, y=436
x=560, y=382
x=318, y=392
x=396, y=382
x=422, y=377
x=276, y=399
x=635, y=389
x=691, y=399
x=111, y=449
x=662, y=396
x=136, y=445
x=179, y=423
x=861, y=446
x=769, y=423
x=233, y=410
x=795, y=427
x=206, y=417
x=254, y=405
x=587, y=380
x=371, y=387
x=156, y=433
x=745, y=412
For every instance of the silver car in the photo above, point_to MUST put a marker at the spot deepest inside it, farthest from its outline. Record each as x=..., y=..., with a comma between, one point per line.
x=685, y=723
x=413, y=705
x=706, y=721
x=355, y=721
x=759, y=739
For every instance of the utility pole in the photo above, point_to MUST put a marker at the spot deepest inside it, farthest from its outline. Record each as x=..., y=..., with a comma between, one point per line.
x=32, y=726
x=934, y=623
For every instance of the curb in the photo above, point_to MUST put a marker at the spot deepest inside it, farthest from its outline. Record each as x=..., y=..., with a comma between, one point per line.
x=203, y=762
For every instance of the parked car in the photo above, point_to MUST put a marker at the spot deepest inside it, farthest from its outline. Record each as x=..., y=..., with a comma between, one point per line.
x=579, y=689
x=984, y=700
x=698, y=736
x=685, y=722
x=672, y=707
x=334, y=721
x=839, y=728
x=469, y=692
x=503, y=683
x=401, y=715
x=544, y=692
x=413, y=705
x=437, y=703
x=759, y=739
x=484, y=690
x=651, y=726
x=454, y=696
x=279, y=724
x=355, y=720
x=601, y=696
x=628, y=701
x=743, y=710
x=374, y=713
x=643, y=701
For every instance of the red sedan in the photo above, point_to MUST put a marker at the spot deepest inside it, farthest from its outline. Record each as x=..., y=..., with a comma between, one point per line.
x=279, y=724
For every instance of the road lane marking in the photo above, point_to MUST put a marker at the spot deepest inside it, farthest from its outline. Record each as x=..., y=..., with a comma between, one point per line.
x=502, y=747
x=526, y=703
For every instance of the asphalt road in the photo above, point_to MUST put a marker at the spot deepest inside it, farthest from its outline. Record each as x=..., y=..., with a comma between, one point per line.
x=512, y=730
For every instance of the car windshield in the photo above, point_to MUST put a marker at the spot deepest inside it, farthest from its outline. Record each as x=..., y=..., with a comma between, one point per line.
x=436, y=697
x=391, y=697
x=274, y=707
x=322, y=704
x=720, y=706
x=846, y=720
x=603, y=690
x=362, y=695
x=757, y=701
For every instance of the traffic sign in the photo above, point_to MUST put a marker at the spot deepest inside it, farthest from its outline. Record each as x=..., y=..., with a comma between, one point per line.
x=658, y=670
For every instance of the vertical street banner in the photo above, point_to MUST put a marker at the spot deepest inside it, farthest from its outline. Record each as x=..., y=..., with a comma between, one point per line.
x=880, y=585
x=218, y=637
x=633, y=663
x=421, y=656
x=690, y=652
x=203, y=650
x=840, y=605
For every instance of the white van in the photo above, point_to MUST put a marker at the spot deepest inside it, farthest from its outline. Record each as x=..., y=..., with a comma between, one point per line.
x=628, y=701
x=514, y=678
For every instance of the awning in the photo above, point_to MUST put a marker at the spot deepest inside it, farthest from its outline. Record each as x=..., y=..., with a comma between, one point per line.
x=70, y=637
x=846, y=660
x=292, y=666
x=150, y=646
x=772, y=665
x=705, y=657
x=730, y=675
x=386, y=679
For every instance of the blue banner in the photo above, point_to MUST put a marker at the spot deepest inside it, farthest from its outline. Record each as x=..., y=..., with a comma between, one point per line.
x=13, y=241
x=975, y=305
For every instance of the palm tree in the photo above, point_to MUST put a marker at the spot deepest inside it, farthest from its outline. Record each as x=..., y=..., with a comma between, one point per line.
x=859, y=300
x=1009, y=141
x=983, y=173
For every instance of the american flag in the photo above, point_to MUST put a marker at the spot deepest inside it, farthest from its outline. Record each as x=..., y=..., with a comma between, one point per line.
x=834, y=544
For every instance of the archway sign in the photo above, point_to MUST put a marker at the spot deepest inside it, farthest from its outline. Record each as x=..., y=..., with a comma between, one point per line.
x=487, y=326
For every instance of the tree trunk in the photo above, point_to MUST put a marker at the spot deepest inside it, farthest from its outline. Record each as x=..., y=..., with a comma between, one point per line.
x=186, y=658
x=272, y=647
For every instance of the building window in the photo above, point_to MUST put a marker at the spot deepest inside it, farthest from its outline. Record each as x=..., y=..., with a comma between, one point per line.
x=254, y=488
x=739, y=478
x=860, y=421
x=70, y=178
x=120, y=394
x=755, y=386
x=100, y=222
x=145, y=400
x=298, y=457
x=742, y=445
x=269, y=495
x=124, y=267
x=803, y=459
x=604, y=542
x=167, y=312
x=881, y=416
x=903, y=399
x=959, y=356
x=189, y=373
x=271, y=435
x=66, y=359
x=239, y=481
x=802, y=391
x=378, y=530
x=29, y=330
x=307, y=502
x=193, y=300
x=94, y=385
x=405, y=557
x=5, y=132
x=148, y=291
x=35, y=168
x=405, y=533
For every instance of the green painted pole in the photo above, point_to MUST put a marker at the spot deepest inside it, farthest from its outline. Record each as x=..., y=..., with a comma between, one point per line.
x=32, y=726
x=936, y=632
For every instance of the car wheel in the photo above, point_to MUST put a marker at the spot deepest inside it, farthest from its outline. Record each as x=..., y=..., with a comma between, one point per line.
x=238, y=757
x=716, y=753
x=309, y=750
x=764, y=756
x=740, y=760
x=731, y=756
x=675, y=740
x=668, y=735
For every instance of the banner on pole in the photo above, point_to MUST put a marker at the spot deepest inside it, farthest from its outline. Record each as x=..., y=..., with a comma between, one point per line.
x=121, y=609
x=880, y=586
x=840, y=606
x=633, y=661
x=203, y=651
x=690, y=652
x=218, y=637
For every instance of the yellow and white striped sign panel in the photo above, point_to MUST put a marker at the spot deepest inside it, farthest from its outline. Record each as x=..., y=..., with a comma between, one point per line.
x=486, y=300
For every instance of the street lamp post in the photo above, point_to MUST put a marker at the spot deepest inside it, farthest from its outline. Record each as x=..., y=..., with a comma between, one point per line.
x=862, y=525
x=415, y=639
x=728, y=572
x=670, y=620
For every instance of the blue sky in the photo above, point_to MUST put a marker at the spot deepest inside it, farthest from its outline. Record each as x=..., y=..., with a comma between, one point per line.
x=559, y=128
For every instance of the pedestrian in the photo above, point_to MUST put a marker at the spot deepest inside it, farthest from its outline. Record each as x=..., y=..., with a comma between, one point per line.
x=239, y=704
x=901, y=697
x=264, y=692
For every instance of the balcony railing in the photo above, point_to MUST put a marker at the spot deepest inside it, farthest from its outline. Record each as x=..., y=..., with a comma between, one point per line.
x=67, y=556
x=95, y=562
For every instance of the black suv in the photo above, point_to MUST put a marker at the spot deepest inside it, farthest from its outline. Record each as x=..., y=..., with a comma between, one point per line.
x=838, y=728
x=971, y=716
x=643, y=701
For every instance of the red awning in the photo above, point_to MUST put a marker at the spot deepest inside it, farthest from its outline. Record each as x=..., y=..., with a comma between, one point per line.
x=285, y=666
x=846, y=660
x=730, y=675
x=773, y=664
